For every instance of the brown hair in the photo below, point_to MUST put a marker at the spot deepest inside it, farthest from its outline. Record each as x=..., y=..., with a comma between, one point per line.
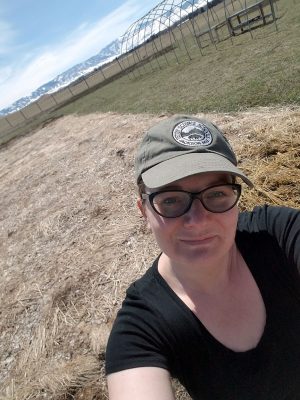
x=141, y=187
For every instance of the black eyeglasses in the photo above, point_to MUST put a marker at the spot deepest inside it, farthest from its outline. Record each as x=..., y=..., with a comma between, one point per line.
x=175, y=203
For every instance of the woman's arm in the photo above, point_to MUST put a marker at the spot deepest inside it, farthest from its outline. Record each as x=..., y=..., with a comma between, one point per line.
x=143, y=383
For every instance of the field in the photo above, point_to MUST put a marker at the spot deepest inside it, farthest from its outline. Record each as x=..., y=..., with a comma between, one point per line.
x=71, y=237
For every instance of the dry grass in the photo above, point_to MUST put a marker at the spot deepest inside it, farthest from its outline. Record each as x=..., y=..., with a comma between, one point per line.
x=71, y=239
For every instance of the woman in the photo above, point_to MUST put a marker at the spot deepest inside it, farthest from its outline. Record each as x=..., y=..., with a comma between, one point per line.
x=220, y=307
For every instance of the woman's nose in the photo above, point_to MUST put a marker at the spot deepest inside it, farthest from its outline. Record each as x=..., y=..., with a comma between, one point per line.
x=196, y=213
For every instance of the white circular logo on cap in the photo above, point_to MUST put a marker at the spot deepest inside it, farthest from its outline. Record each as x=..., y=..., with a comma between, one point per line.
x=192, y=133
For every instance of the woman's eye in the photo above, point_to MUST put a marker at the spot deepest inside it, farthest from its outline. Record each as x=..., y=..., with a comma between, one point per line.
x=167, y=200
x=216, y=194
x=170, y=200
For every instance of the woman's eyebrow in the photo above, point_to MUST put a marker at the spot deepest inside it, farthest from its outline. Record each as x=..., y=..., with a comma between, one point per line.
x=178, y=187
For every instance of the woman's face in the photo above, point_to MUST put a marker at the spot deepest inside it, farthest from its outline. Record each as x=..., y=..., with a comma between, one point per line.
x=199, y=235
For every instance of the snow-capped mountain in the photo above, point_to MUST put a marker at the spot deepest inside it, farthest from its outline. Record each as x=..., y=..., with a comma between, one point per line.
x=109, y=52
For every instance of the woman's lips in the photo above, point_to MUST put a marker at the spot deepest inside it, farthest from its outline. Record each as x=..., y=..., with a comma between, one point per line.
x=199, y=240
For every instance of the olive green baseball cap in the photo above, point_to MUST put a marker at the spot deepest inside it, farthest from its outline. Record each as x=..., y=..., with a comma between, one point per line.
x=181, y=146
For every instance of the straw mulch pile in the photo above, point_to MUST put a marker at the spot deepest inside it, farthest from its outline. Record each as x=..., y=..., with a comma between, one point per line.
x=72, y=239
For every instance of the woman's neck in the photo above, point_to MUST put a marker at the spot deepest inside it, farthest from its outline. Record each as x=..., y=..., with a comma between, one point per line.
x=206, y=278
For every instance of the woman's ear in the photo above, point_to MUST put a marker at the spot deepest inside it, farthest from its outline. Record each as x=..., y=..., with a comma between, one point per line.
x=141, y=207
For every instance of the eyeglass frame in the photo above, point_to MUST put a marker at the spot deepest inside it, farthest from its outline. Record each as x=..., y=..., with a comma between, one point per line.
x=193, y=196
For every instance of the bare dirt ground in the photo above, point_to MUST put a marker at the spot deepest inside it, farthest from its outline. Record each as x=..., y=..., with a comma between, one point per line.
x=71, y=239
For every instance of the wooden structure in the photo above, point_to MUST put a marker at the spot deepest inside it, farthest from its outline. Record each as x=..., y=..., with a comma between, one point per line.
x=251, y=16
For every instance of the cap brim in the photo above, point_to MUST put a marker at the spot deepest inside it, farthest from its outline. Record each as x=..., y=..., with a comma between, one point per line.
x=189, y=164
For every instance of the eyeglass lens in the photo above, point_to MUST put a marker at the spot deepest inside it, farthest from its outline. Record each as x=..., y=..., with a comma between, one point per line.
x=218, y=199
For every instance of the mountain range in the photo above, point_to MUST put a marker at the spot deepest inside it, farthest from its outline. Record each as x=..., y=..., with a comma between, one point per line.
x=108, y=53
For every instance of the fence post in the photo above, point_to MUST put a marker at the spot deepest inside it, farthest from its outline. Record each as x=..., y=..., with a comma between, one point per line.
x=7, y=120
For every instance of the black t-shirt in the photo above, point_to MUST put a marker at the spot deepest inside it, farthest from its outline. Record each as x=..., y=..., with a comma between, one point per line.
x=155, y=328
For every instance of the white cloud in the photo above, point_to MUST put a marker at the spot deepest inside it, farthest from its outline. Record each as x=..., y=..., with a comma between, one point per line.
x=5, y=73
x=6, y=36
x=37, y=68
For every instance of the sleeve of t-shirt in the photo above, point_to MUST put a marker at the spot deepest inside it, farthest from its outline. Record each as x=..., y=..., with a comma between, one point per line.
x=282, y=223
x=137, y=338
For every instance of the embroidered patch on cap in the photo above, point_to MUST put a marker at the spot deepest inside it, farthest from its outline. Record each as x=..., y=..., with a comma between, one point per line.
x=192, y=133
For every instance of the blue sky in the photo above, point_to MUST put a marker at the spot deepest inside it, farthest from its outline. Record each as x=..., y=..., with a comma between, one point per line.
x=39, y=39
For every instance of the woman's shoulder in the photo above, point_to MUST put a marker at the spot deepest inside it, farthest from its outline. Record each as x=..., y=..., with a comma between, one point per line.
x=145, y=296
x=143, y=284
x=269, y=218
x=273, y=226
